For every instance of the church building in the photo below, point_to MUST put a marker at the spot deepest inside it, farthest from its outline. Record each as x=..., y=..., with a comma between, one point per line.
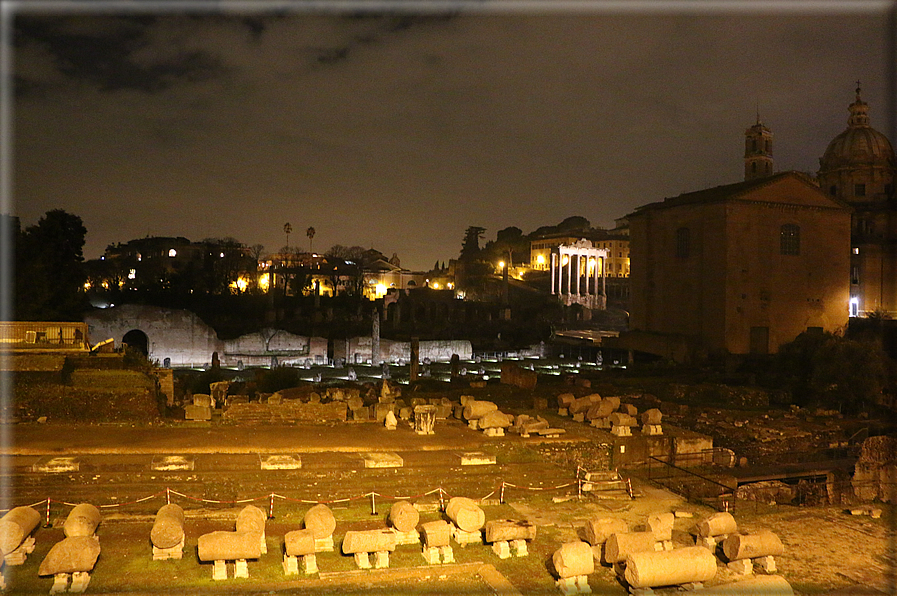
x=741, y=268
x=858, y=168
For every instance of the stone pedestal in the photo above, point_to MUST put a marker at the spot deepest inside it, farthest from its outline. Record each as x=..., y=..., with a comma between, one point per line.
x=290, y=565
x=18, y=556
x=175, y=552
x=464, y=538
x=574, y=585
x=502, y=549
x=652, y=429
x=241, y=568
x=494, y=432
x=741, y=567
x=563, y=412
x=219, y=570
x=362, y=561
x=519, y=547
x=765, y=564
x=620, y=431
x=60, y=583
x=381, y=559
x=435, y=554
x=324, y=544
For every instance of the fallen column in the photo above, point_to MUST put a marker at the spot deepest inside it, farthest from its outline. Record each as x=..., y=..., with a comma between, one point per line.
x=651, y=422
x=437, y=542
x=715, y=529
x=251, y=520
x=622, y=544
x=621, y=424
x=362, y=543
x=573, y=563
x=746, y=550
x=16, y=541
x=299, y=543
x=564, y=401
x=221, y=547
x=494, y=423
x=167, y=535
x=691, y=565
x=73, y=557
x=403, y=517
x=505, y=533
x=476, y=409
x=319, y=519
x=82, y=521
x=468, y=519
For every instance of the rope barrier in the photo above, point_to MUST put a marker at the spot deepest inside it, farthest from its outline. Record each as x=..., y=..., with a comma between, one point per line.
x=270, y=497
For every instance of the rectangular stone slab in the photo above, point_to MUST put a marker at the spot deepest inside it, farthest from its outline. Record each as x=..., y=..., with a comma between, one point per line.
x=382, y=460
x=280, y=462
x=477, y=458
x=169, y=463
x=56, y=465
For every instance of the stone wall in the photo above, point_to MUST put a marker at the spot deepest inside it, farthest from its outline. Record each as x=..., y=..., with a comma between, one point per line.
x=358, y=349
x=292, y=410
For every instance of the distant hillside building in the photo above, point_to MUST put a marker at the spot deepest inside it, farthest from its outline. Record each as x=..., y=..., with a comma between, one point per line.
x=738, y=269
x=858, y=168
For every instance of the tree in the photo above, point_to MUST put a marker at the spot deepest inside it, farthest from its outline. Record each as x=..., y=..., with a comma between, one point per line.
x=575, y=223
x=829, y=369
x=310, y=232
x=50, y=272
x=470, y=248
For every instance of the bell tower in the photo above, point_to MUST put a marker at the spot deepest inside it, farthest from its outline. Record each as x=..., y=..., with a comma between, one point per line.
x=757, y=151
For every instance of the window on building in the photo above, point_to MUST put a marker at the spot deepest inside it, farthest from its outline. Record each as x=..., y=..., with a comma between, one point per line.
x=683, y=243
x=790, y=239
x=859, y=190
x=855, y=275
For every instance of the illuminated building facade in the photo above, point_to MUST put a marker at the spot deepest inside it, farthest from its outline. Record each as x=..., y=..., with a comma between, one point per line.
x=741, y=268
x=858, y=168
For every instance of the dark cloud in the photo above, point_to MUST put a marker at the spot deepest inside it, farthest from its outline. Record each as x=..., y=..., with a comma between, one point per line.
x=88, y=49
x=399, y=130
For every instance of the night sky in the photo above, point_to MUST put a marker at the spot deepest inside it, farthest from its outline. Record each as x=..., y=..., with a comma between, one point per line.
x=397, y=128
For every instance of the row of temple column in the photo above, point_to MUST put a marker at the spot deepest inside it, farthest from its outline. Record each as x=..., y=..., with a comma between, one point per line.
x=582, y=271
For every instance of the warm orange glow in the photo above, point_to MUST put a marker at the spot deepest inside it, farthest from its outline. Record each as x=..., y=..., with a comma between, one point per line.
x=264, y=282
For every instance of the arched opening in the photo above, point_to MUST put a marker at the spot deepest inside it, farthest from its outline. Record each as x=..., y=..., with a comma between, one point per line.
x=137, y=340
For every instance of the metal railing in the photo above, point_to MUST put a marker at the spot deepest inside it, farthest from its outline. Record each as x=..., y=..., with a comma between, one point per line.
x=692, y=485
x=38, y=335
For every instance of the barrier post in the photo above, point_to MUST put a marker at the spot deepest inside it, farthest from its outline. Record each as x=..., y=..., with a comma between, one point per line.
x=579, y=488
x=48, y=513
x=271, y=507
x=373, y=504
x=167, y=496
x=501, y=493
x=441, y=500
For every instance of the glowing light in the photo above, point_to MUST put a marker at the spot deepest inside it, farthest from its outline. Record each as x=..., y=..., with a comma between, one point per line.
x=240, y=284
x=435, y=286
x=172, y=253
x=565, y=259
x=105, y=285
x=86, y=285
x=264, y=282
x=132, y=274
x=592, y=264
x=451, y=286
x=380, y=290
x=540, y=259
x=501, y=264
x=221, y=255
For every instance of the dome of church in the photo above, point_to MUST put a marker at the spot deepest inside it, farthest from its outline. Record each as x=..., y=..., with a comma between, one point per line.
x=860, y=144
